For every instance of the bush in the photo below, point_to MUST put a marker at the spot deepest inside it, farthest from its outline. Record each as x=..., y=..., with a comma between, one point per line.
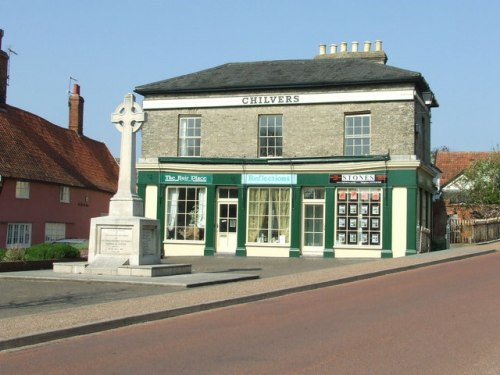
x=47, y=251
x=2, y=254
x=12, y=255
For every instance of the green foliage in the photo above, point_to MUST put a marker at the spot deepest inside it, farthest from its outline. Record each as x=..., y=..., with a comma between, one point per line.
x=45, y=251
x=51, y=251
x=483, y=178
x=12, y=255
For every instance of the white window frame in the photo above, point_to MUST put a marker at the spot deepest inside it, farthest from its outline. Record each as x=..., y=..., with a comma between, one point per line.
x=357, y=135
x=64, y=194
x=269, y=221
x=360, y=216
x=189, y=136
x=54, y=231
x=185, y=218
x=22, y=189
x=270, y=136
x=18, y=235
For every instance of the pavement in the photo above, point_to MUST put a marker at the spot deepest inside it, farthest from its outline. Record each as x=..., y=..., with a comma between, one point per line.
x=40, y=306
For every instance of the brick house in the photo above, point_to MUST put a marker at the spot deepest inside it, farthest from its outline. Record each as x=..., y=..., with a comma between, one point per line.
x=328, y=157
x=52, y=180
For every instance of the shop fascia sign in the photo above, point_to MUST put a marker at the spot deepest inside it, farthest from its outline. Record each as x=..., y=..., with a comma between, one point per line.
x=181, y=178
x=279, y=99
x=358, y=178
x=269, y=179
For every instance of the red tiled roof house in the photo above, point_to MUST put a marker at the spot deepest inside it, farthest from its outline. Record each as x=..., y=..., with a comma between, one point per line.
x=52, y=180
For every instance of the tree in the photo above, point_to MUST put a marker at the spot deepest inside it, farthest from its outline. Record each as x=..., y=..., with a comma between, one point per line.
x=483, y=180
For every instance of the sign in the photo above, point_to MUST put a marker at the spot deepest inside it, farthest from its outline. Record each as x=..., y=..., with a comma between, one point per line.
x=269, y=179
x=358, y=178
x=179, y=178
x=280, y=99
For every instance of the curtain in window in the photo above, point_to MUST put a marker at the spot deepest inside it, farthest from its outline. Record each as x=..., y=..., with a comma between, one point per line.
x=173, y=199
x=284, y=215
x=201, y=208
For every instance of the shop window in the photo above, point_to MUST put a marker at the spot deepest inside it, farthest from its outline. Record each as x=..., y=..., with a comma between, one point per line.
x=18, y=235
x=270, y=136
x=269, y=215
x=190, y=136
x=186, y=213
x=357, y=135
x=22, y=189
x=359, y=217
x=54, y=231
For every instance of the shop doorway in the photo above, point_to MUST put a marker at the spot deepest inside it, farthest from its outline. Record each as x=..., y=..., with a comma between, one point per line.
x=227, y=221
x=313, y=221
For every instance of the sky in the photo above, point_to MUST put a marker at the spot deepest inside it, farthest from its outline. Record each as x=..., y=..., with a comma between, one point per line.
x=112, y=46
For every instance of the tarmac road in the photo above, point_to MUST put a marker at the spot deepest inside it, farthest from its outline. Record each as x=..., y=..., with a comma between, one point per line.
x=60, y=313
x=434, y=320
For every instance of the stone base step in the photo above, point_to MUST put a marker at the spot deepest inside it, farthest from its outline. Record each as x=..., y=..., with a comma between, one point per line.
x=149, y=270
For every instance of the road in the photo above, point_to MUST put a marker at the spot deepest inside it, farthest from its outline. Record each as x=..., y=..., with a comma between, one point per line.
x=442, y=319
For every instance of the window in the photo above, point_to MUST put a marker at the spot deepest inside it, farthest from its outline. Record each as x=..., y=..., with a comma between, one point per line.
x=357, y=135
x=190, y=136
x=269, y=215
x=359, y=217
x=18, y=235
x=186, y=213
x=54, y=231
x=64, y=194
x=22, y=189
x=270, y=136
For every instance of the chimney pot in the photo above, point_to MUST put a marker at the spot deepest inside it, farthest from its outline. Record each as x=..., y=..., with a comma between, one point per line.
x=343, y=47
x=333, y=48
x=378, y=45
x=322, y=49
x=368, y=46
x=354, y=47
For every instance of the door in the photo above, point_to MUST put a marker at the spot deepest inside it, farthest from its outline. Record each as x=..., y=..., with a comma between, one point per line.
x=227, y=223
x=313, y=222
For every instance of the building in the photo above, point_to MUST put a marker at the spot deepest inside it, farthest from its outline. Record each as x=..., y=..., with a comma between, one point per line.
x=328, y=156
x=52, y=180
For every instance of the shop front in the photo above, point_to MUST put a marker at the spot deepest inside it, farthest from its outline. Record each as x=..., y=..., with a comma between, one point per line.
x=328, y=210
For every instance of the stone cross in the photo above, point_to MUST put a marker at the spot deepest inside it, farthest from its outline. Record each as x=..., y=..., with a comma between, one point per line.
x=128, y=119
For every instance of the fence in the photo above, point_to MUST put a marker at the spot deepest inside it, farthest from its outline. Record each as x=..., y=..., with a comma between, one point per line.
x=473, y=231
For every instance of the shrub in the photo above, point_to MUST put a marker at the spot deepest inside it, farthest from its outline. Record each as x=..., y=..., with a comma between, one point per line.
x=14, y=254
x=2, y=254
x=46, y=251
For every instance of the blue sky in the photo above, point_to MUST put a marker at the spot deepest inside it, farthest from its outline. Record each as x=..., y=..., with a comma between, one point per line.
x=112, y=46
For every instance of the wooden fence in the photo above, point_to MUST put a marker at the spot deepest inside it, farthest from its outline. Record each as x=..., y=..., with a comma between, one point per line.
x=473, y=231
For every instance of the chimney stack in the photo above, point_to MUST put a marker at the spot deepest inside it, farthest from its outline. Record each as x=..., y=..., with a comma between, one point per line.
x=377, y=56
x=76, y=110
x=4, y=63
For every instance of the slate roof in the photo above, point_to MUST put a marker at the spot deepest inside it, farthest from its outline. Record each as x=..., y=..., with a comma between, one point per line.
x=283, y=74
x=34, y=149
x=452, y=164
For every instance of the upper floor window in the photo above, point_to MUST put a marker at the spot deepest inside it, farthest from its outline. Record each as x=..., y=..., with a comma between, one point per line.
x=190, y=136
x=357, y=135
x=22, y=189
x=64, y=194
x=270, y=136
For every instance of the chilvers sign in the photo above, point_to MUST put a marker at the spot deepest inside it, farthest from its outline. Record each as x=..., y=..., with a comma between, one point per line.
x=358, y=178
x=279, y=99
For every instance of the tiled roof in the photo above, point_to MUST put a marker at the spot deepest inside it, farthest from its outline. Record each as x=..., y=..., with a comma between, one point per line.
x=34, y=149
x=283, y=74
x=452, y=164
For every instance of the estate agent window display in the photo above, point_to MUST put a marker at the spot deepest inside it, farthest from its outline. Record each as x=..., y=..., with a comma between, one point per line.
x=358, y=217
